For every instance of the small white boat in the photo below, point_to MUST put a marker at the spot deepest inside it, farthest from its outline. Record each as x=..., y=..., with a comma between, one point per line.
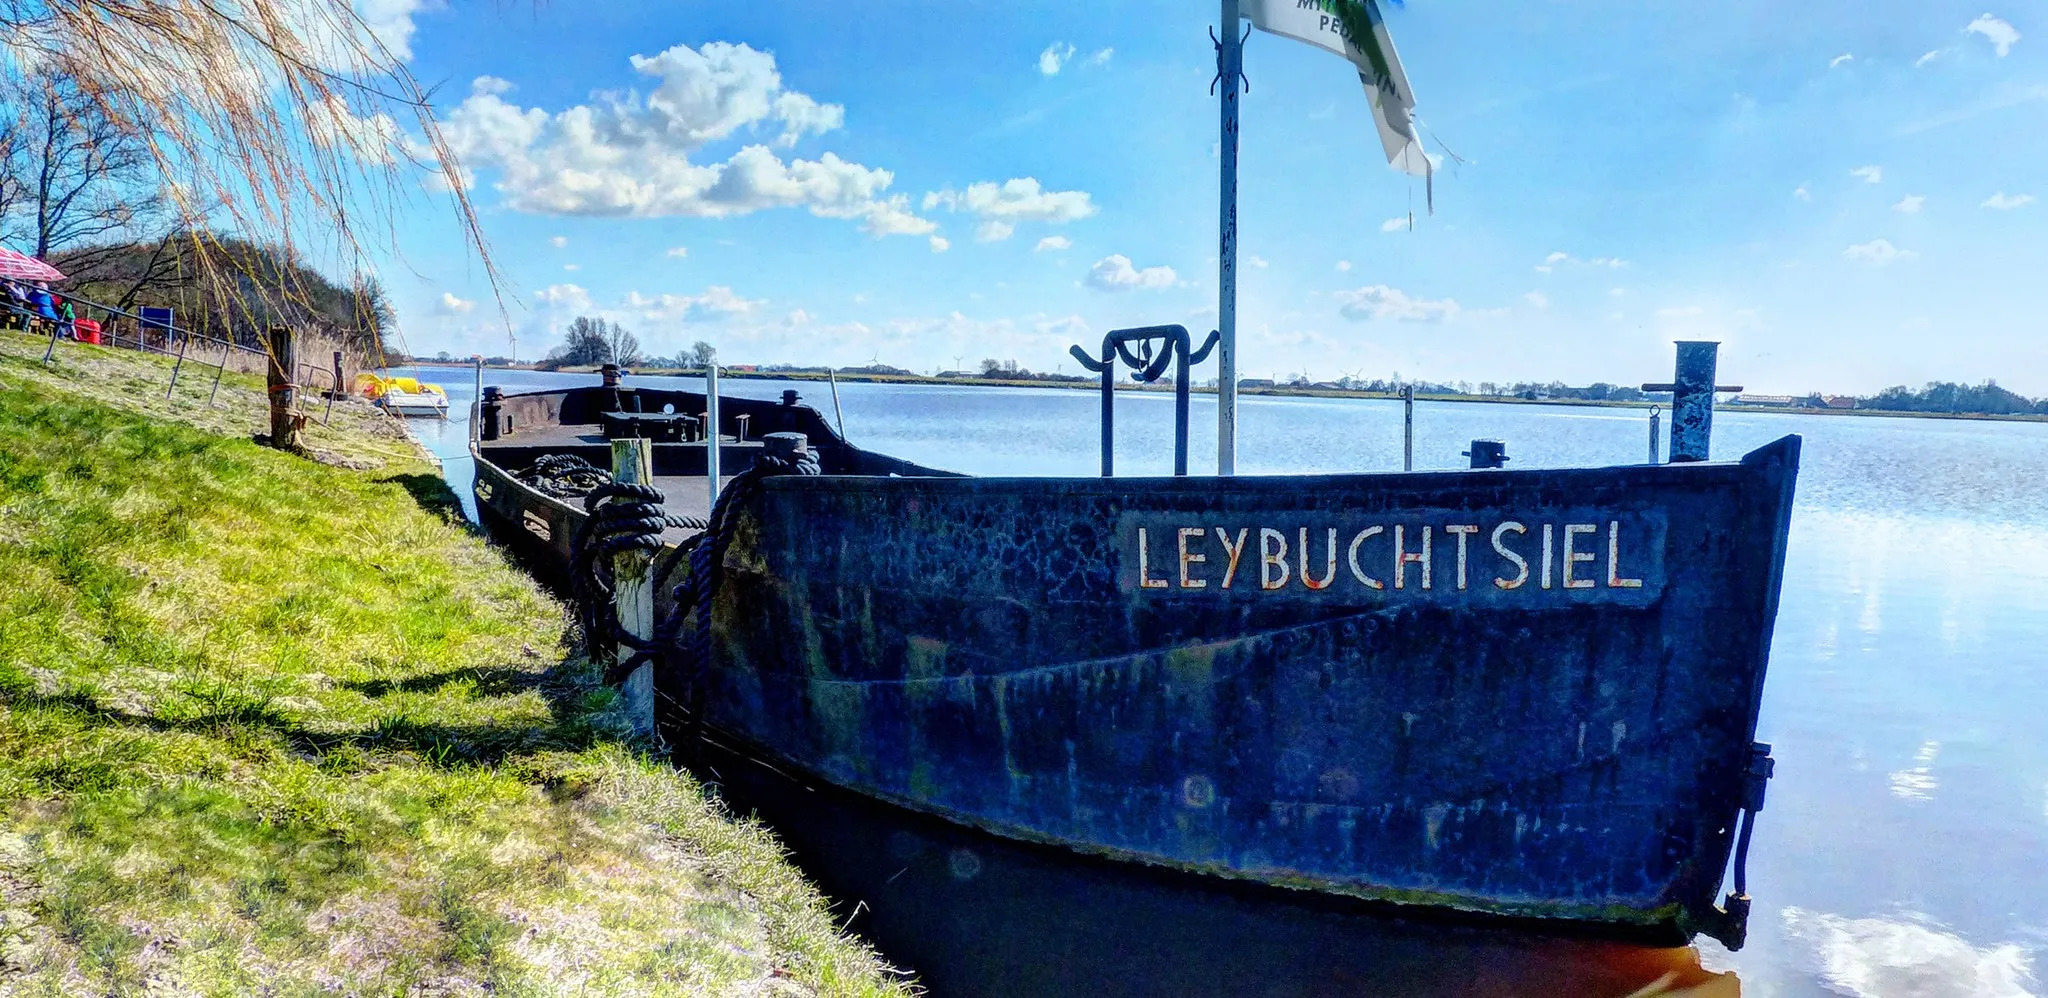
x=403, y=403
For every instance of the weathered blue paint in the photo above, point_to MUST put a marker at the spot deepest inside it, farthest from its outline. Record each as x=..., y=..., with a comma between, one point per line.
x=991, y=651
x=973, y=648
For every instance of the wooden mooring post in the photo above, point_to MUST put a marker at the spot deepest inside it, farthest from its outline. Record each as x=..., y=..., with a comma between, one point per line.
x=633, y=589
x=285, y=422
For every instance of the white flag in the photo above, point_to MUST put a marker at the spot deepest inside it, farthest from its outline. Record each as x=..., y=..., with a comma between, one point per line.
x=1322, y=23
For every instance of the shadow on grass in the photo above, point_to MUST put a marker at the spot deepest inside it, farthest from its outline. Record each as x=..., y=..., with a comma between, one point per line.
x=574, y=695
x=432, y=494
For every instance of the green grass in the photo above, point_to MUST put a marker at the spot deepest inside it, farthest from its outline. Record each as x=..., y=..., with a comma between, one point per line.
x=274, y=725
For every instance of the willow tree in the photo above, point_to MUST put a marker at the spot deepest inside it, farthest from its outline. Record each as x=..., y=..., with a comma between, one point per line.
x=283, y=121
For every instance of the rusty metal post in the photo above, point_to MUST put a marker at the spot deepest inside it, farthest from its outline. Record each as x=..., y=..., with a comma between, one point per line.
x=633, y=588
x=1408, y=428
x=1692, y=399
x=183, y=344
x=226, y=350
x=333, y=391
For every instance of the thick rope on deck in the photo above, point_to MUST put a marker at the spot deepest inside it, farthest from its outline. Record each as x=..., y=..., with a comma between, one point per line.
x=565, y=476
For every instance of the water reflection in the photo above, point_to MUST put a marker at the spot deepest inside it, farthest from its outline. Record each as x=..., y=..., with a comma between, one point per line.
x=973, y=915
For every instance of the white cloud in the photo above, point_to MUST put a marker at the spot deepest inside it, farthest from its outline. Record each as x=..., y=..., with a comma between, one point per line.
x=1929, y=57
x=1559, y=256
x=678, y=251
x=572, y=266
x=1019, y=199
x=2000, y=34
x=1343, y=266
x=1115, y=273
x=940, y=244
x=797, y=317
x=625, y=155
x=568, y=297
x=1910, y=204
x=1877, y=253
x=1256, y=260
x=374, y=138
x=2006, y=202
x=1840, y=59
x=1394, y=224
x=1538, y=299
x=717, y=299
x=1101, y=57
x=1379, y=301
x=993, y=230
x=1052, y=243
x=558, y=241
x=1617, y=292
x=1874, y=957
x=451, y=305
x=1054, y=56
x=1868, y=174
x=1802, y=193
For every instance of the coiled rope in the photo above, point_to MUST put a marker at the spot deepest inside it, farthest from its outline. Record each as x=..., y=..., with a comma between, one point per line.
x=564, y=476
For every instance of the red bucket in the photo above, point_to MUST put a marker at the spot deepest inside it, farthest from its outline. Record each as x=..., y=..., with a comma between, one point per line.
x=87, y=330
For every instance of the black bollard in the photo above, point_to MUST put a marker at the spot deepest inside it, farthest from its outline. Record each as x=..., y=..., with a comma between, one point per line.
x=1488, y=453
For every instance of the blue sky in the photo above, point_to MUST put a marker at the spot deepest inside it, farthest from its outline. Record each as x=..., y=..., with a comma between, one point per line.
x=1845, y=194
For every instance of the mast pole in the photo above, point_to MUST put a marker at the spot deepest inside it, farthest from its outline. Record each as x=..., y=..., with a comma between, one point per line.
x=1229, y=66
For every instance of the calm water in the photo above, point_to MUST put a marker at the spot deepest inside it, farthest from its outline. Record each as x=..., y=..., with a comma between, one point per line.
x=1904, y=846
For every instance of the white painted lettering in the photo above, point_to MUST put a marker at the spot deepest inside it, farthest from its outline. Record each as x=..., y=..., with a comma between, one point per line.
x=1402, y=558
x=1547, y=533
x=1572, y=557
x=1463, y=531
x=1233, y=550
x=1500, y=547
x=1368, y=581
x=1145, y=579
x=1329, y=572
x=1614, y=579
x=1270, y=559
x=1190, y=558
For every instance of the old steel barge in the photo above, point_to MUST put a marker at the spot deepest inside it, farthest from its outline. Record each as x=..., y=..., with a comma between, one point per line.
x=1522, y=693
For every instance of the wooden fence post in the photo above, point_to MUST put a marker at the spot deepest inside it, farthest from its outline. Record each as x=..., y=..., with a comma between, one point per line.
x=285, y=423
x=633, y=588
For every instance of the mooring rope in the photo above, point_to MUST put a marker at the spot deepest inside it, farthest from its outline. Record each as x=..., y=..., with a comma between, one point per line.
x=622, y=518
x=689, y=627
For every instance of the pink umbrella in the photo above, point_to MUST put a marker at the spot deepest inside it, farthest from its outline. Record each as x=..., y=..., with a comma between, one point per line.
x=22, y=267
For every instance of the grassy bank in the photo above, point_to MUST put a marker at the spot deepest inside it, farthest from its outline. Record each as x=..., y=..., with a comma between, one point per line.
x=269, y=725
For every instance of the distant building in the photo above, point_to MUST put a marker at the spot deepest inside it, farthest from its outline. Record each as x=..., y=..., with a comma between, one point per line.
x=1839, y=401
x=1786, y=401
x=1255, y=382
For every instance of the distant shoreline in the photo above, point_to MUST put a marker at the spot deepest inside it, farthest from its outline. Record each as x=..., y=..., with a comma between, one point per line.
x=1270, y=391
